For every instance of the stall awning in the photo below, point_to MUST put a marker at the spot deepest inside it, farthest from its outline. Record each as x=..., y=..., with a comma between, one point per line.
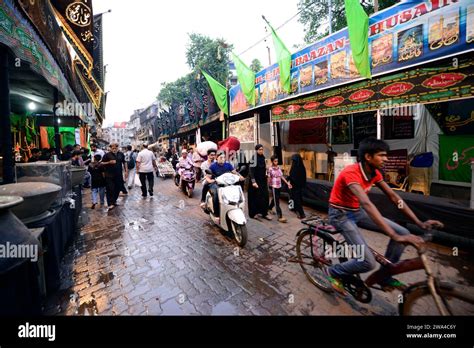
x=190, y=127
x=435, y=82
x=26, y=44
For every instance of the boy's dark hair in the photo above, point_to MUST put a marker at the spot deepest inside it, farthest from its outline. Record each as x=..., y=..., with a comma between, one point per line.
x=129, y=147
x=274, y=157
x=210, y=151
x=97, y=157
x=76, y=153
x=371, y=146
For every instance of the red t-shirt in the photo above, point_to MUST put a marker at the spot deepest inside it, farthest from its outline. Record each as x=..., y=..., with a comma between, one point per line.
x=341, y=194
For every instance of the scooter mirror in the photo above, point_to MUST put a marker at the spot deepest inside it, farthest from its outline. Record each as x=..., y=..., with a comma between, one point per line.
x=208, y=171
x=242, y=169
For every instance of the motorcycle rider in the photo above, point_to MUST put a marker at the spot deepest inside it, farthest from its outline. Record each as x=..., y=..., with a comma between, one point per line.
x=185, y=163
x=218, y=168
x=211, y=156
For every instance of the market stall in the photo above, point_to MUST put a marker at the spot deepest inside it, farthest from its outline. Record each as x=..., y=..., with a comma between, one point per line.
x=46, y=102
x=422, y=87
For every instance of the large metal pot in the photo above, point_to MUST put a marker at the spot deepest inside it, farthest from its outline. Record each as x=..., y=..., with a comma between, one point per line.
x=37, y=197
x=77, y=175
x=14, y=234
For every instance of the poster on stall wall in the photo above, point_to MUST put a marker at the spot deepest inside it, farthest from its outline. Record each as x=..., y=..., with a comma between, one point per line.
x=365, y=125
x=455, y=117
x=455, y=153
x=341, y=129
x=243, y=130
x=399, y=127
x=312, y=131
x=396, y=166
x=77, y=135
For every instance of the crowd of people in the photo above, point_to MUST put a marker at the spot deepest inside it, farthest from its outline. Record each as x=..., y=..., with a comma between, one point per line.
x=118, y=170
x=112, y=172
x=262, y=181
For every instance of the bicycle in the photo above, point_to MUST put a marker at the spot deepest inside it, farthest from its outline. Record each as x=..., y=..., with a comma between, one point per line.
x=312, y=244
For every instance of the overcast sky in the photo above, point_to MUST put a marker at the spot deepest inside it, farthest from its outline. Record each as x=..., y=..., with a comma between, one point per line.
x=145, y=41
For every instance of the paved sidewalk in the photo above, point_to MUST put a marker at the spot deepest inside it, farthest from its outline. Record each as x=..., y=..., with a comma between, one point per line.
x=162, y=256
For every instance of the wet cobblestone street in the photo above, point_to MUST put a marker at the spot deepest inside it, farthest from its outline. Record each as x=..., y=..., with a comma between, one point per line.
x=162, y=256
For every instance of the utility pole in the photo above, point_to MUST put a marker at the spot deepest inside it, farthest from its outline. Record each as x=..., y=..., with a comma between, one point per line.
x=376, y=6
x=268, y=47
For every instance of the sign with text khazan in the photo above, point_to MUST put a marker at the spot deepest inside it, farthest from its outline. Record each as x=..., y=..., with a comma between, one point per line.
x=410, y=33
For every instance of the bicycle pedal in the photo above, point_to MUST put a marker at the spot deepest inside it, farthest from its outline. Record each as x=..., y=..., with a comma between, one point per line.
x=377, y=288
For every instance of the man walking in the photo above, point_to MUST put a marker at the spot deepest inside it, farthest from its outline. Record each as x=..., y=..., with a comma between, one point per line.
x=146, y=165
x=96, y=151
x=113, y=175
x=123, y=168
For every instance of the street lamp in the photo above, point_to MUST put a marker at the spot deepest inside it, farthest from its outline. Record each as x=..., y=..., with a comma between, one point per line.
x=108, y=11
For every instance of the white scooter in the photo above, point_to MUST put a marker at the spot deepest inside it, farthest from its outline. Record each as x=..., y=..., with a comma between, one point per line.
x=231, y=203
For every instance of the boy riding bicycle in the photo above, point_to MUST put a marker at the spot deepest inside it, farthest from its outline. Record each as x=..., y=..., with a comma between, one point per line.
x=349, y=205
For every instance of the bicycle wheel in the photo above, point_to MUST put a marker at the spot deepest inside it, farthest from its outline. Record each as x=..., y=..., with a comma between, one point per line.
x=419, y=301
x=311, y=260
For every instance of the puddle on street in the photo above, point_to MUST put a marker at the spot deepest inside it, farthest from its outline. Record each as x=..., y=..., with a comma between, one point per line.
x=106, y=278
x=88, y=308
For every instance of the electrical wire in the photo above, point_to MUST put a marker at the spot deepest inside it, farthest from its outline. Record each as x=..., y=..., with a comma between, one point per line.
x=279, y=27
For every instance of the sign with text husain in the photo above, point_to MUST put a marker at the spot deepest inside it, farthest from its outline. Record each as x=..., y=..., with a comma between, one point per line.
x=431, y=83
x=410, y=33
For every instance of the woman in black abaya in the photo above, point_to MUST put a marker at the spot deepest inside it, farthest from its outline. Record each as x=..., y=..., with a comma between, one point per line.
x=298, y=181
x=258, y=197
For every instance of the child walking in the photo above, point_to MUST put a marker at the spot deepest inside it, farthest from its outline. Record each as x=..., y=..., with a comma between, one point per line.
x=275, y=176
x=98, y=181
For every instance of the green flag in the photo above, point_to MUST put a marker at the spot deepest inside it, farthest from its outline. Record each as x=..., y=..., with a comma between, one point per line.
x=358, y=27
x=246, y=78
x=284, y=60
x=219, y=91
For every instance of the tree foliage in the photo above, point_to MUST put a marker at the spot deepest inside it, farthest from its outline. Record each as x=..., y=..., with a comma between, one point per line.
x=211, y=55
x=174, y=93
x=314, y=16
x=202, y=52
x=256, y=65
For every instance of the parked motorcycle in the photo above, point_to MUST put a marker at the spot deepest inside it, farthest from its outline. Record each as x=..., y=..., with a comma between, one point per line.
x=231, y=203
